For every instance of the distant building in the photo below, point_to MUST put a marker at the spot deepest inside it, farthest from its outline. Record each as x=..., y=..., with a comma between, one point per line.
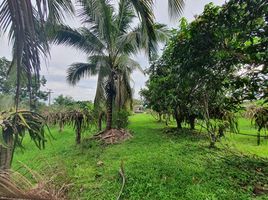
x=138, y=109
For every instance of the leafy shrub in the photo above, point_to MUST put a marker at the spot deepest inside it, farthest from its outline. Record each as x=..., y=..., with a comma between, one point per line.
x=121, y=119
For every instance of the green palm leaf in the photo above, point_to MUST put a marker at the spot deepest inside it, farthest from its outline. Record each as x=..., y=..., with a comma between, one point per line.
x=80, y=70
x=83, y=39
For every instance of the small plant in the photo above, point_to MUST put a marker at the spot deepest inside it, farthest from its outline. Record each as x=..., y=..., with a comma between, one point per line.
x=14, y=125
x=121, y=117
x=79, y=119
x=259, y=117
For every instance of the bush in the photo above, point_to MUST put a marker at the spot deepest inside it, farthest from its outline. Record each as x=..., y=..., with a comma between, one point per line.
x=121, y=119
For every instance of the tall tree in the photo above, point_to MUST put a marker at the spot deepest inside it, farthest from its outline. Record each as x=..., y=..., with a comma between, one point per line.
x=24, y=21
x=109, y=40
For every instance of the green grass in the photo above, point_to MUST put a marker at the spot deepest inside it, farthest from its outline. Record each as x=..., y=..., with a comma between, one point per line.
x=158, y=164
x=247, y=144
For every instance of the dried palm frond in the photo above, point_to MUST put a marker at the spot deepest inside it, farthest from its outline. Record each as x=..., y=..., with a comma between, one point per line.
x=14, y=185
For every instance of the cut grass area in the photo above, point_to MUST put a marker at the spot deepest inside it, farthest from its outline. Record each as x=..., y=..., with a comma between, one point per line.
x=247, y=144
x=157, y=165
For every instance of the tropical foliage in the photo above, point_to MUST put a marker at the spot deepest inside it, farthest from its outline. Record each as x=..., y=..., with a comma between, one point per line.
x=258, y=114
x=14, y=125
x=109, y=39
x=67, y=112
x=24, y=21
x=212, y=65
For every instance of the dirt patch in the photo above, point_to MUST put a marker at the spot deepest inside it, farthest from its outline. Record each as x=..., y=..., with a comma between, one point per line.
x=113, y=136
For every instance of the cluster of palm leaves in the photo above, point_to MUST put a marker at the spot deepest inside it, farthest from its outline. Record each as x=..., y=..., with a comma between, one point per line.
x=110, y=38
x=25, y=21
x=14, y=125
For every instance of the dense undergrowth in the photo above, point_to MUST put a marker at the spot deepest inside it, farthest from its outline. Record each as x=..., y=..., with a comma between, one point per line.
x=158, y=163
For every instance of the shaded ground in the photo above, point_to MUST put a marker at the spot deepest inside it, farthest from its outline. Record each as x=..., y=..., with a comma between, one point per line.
x=158, y=165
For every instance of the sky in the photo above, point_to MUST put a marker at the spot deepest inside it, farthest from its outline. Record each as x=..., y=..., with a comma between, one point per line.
x=54, y=69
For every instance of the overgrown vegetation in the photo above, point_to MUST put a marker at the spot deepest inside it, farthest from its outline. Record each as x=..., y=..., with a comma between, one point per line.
x=212, y=74
x=158, y=164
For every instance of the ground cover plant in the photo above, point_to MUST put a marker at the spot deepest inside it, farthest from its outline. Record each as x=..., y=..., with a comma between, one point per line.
x=158, y=164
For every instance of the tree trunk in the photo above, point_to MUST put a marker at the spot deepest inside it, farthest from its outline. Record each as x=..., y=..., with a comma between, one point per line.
x=100, y=121
x=213, y=140
x=6, y=152
x=192, y=122
x=79, y=129
x=109, y=113
x=160, y=117
x=178, y=118
x=119, y=94
x=110, y=97
x=78, y=135
x=259, y=138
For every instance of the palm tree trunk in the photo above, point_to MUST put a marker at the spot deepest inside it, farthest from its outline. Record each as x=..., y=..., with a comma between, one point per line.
x=100, y=121
x=110, y=97
x=109, y=113
x=119, y=94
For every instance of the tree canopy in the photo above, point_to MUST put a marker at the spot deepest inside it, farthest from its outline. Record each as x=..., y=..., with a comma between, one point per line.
x=213, y=64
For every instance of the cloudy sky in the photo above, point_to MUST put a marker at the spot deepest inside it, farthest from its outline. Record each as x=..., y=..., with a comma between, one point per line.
x=62, y=57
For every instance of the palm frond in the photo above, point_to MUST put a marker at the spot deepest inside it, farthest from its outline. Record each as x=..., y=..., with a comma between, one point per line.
x=100, y=96
x=79, y=70
x=125, y=16
x=83, y=39
x=175, y=7
x=58, y=9
x=144, y=8
x=24, y=20
x=127, y=90
x=125, y=63
x=98, y=14
x=137, y=39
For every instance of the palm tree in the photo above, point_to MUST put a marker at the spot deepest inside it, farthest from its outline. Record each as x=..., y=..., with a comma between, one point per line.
x=24, y=20
x=109, y=40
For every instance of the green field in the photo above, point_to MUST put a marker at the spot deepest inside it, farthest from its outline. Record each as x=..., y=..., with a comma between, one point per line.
x=158, y=164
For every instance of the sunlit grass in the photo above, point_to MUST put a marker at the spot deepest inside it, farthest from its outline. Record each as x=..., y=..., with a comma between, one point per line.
x=157, y=165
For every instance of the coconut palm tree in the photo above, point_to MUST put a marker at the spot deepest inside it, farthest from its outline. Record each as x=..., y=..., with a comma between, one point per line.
x=109, y=40
x=24, y=21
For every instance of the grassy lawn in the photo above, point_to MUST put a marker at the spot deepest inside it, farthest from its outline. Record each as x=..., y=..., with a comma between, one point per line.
x=157, y=165
x=247, y=144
